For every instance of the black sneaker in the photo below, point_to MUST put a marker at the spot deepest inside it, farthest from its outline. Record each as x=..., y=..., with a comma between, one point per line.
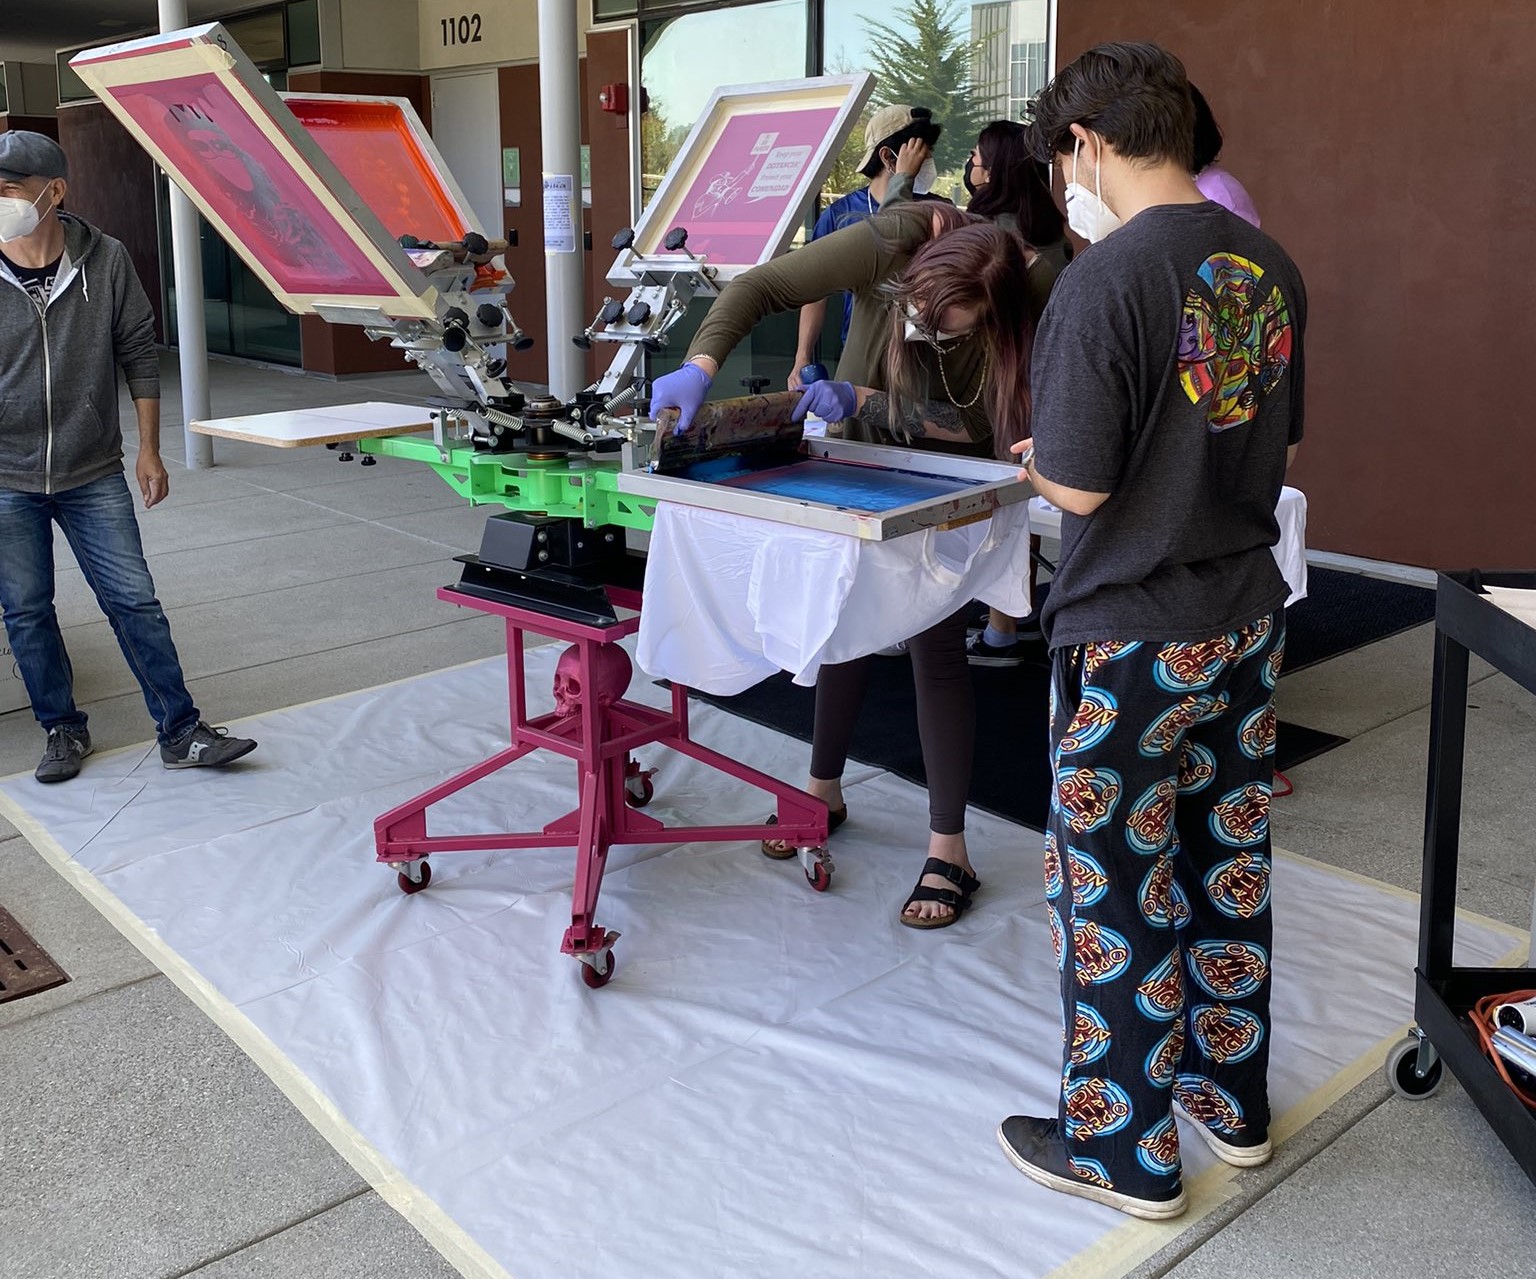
x=205, y=747
x=1240, y=1149
x=61, y=757
x=1037, y=1149
x=979, y=653
x=1028, y=627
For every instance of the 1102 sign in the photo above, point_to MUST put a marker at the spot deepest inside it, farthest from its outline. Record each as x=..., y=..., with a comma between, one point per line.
x=465, y=29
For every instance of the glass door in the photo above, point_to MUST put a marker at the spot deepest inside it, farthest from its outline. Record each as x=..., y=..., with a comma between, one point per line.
x=240, y=315
x=683, y=59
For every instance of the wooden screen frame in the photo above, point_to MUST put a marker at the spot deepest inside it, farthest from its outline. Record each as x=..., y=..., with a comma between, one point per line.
x=847, y=93
x=209, y=51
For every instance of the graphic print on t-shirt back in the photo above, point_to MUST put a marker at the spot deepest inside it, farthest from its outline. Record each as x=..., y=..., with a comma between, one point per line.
x=1234, y=340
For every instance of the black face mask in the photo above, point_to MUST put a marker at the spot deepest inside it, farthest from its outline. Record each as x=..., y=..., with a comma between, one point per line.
x=970, y=182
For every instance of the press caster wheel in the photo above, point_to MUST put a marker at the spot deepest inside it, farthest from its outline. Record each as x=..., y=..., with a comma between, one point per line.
x=409, y=885
x=597, y=980
x=819, y=877
x=1405, y=1079
x=639, y=792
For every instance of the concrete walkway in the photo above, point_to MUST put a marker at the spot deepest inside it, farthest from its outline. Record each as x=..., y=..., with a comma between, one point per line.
x=137, y=1143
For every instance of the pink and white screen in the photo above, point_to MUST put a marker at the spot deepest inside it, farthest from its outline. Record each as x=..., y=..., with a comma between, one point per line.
x=746, y=184
x=237, y=170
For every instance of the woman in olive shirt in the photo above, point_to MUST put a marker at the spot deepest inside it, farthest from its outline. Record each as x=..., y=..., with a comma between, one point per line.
x=941, y=316
x=1009, y=186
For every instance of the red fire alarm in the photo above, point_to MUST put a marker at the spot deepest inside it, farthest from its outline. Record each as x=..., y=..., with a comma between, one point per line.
x=614, y=99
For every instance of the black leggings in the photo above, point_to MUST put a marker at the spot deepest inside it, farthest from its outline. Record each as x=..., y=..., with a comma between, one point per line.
x=946, y=718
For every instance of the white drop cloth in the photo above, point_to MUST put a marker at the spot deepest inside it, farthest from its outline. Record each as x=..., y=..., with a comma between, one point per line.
x=1290, y=551
x=731, y=600
x=777, y=1083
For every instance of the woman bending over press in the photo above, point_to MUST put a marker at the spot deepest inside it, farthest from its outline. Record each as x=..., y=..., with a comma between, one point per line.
x=937, y=357
x=1009, y=186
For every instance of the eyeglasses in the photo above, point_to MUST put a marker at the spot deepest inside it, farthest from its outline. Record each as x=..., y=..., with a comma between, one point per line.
x=938, y=339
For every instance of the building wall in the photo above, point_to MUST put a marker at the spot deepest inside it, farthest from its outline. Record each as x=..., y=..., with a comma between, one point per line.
x=374, y=34
x=1386, y=144
x=45, y=124
x=112, y=186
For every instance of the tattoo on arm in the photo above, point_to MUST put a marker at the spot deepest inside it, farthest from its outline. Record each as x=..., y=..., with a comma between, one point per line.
x=930, y=420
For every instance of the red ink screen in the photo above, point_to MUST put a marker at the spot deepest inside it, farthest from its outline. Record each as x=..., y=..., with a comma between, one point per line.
x=277, y=219
x=746, y=184
x=373, y=146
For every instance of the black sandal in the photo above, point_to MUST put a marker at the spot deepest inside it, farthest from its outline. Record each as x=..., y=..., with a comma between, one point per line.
x=957, y=898
x=835, y=818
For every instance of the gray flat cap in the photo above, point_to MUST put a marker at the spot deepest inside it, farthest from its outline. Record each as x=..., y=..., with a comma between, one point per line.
x=31, y=155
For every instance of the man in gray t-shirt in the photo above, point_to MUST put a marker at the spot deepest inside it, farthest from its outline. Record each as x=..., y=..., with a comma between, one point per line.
x=1168, y=379
x=1167, y=402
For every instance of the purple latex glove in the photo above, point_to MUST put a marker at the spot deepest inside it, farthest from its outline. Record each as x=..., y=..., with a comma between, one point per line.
x=830, y=401
x=683, y=390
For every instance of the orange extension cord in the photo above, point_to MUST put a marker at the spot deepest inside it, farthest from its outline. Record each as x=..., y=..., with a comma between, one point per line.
x=1482, y=1020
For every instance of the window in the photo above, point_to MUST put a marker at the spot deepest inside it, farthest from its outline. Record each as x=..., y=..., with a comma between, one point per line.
x=969, y=63
x=303, y=33
x=1010, y=64
x=71, y=87
x=1027, y=74
x=274, y=39
x=260, y=36
x=683, y=60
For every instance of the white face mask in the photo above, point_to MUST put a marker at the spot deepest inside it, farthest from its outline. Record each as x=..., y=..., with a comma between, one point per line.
x=18, y=217
x=913, y=332
x=1087, y=214
x=926, y=177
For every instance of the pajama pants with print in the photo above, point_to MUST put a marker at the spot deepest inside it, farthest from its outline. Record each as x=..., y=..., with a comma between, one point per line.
x=1157, y=865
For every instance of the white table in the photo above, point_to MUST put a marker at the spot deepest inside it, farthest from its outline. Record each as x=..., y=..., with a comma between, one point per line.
x=1290, y=551
x=731, y=600
x=337, y=424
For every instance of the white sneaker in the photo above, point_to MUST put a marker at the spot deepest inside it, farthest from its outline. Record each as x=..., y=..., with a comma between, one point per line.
x=1249, y=1156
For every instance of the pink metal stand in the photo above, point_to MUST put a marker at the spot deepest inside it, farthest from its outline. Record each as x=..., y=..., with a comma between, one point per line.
x=610, y=784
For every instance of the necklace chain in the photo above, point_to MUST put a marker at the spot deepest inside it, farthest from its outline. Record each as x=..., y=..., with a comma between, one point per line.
x=981, y=382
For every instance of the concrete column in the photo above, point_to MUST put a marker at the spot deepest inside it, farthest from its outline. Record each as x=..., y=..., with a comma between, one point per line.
x=560, y=129
x=191, y=335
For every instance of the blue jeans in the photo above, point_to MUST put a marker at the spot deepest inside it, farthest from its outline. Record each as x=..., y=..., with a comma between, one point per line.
x=98, y=520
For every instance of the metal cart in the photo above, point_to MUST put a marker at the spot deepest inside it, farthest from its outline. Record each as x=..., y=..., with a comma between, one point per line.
x=1466, y=621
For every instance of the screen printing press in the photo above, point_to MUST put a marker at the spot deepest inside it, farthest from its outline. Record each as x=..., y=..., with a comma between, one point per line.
x=553, y=561
x=345, y=209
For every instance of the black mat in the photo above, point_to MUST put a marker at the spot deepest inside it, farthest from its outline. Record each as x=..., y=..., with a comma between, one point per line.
x=1342, y=611
x=1012, y=773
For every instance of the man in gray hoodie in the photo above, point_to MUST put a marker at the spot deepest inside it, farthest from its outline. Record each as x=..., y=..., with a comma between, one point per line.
x=72, y=312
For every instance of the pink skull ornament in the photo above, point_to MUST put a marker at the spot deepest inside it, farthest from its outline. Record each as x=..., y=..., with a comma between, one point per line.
x=609, y=677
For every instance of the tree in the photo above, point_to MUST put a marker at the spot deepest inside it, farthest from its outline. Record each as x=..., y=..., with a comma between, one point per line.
x=845, y=175
x=924, y=59
x=660, y=141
